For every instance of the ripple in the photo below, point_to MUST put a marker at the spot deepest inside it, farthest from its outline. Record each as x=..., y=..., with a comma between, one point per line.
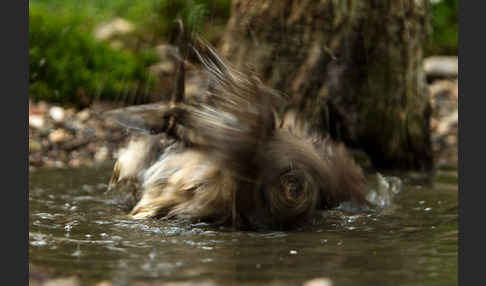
x=76, y=231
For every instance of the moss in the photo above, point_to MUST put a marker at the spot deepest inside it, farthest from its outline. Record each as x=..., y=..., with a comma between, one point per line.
x=67, y=65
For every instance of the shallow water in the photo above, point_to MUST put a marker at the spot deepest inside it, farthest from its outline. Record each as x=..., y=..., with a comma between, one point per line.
x=75, y=230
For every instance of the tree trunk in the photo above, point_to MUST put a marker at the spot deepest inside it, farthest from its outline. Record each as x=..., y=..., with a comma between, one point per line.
x=353, y=67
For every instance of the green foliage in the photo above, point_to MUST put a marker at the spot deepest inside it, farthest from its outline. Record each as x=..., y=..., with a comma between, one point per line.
x=444, y=14
x=66, y=64
x=156, y=18
x=160, y=16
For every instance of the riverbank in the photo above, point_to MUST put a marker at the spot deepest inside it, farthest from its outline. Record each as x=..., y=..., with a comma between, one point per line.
x=65, y=137
x=60, y=137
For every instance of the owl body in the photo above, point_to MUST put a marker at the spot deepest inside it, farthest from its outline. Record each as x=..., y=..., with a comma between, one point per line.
x=239, y=156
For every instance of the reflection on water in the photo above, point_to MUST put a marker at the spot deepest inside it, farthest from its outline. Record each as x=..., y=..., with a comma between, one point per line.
x=75, y=230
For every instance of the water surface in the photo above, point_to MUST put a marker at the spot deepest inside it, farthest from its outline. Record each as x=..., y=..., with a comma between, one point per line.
x=75, y=230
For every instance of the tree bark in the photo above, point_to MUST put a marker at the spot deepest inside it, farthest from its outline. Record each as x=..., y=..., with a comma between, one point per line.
x=353, y=67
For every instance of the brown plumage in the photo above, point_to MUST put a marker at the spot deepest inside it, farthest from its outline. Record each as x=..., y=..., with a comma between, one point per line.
x=232, y=156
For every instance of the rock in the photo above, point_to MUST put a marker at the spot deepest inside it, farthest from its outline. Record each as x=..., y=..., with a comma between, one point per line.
x=74, y=126
x=36, y=110
x=101, y=133
x=176, y=283
x=54, y=163
x=166, y=52
x=441, y=67
x=69, y=112
x=163, y=68
x=83, y=115
x=118, y=26
x=444, y=96
x=447, y=124
x=102, y=154
x=76, y=162
x=57, y=113
x=82, y=137
x=104, y=283
x=318, y=282
x=444, y=121
x=34, y=146
x=42, y=107
x=451, y=140
x=110, y=123
x=36, y=121
x=70, y=281
x=59, y=136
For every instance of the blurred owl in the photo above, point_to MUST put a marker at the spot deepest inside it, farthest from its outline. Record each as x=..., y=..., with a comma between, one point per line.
x=236, y=154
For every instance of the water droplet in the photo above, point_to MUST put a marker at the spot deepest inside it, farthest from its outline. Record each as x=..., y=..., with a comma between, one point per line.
x=77, y=253
x=152, y=255
x=38, y=243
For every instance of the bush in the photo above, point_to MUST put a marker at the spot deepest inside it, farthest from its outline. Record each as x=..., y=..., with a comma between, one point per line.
x=444, y=27
x=67, y=65
x=156, y=18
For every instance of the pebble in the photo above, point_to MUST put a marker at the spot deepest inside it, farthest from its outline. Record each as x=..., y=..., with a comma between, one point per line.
x=54, y=163
x=59, y=135
x=80, y=138
x=104, y=283
x=163, y=67
x=444, y=121
x=318, y=282
x=83, y=115
x=70, y=281
x=118, y=26
x=441, y=66
x=34, y=146
x=57, y=113
x=36, y=121
x=76, y=162
x=102, y=154
x=105, y=136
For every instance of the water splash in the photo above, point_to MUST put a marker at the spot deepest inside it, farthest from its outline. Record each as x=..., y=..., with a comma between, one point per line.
x=386, y=189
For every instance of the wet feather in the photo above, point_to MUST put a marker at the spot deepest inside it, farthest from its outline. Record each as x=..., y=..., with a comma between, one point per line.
x=236, y=158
